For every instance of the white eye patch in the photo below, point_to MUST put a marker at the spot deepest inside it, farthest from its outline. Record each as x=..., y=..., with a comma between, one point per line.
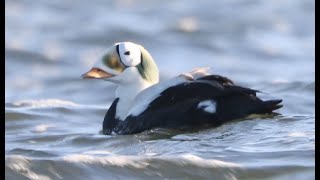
x=130, y=53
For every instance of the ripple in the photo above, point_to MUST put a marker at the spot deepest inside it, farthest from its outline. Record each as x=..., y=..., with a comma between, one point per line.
x=32, y=153
x=12, y=115
x=52, y=118
x=44, y=103
x=23, y=55
x=146, y=167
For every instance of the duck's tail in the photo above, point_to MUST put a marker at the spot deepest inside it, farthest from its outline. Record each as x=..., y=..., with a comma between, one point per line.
x=271, y=105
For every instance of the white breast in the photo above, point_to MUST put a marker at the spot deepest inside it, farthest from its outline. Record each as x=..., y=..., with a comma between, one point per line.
x=127, y=91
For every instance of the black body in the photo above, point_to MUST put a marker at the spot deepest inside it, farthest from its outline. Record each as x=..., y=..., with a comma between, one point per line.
x=177, y=107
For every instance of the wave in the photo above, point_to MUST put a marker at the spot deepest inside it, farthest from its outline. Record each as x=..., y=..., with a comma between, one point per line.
x=287, y=86
x=185, y=166
x=43, y=103
x=49, y=103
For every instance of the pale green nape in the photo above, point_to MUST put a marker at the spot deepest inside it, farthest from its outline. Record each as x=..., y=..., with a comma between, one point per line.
x=148, y=68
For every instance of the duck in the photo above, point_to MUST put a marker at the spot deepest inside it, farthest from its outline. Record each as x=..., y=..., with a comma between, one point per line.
x=193, y=99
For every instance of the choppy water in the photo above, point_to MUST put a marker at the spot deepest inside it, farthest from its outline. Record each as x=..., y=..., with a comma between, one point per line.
x=53, y=119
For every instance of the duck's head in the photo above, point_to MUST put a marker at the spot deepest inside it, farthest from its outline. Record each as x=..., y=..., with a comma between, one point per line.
x=122, y=63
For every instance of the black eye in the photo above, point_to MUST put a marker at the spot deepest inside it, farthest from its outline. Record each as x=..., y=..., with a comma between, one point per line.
x=98, y=70
x=127, y=53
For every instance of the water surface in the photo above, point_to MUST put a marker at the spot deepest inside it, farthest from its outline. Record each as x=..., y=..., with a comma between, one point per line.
x=53, y=118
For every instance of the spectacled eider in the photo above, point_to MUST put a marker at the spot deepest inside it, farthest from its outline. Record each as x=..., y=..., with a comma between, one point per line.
x=189, y=100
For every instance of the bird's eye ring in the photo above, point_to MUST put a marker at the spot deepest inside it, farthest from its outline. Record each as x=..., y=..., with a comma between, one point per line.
x=127, y=53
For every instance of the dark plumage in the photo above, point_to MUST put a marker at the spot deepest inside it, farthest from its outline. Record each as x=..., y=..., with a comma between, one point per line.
x=178, y=106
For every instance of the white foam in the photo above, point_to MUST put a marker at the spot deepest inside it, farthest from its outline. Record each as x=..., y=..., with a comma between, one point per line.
x=42, y=128
x=99, y=152
x=109, y=160
x=196, y=160
x=45, y=103
x=297, y=134
x=21, y=165
x=144, y=160
x=188, y=24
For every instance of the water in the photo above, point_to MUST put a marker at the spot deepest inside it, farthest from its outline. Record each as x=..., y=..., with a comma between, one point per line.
x=53, y=118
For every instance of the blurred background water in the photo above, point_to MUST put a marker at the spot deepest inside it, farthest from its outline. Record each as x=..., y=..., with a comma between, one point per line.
x=53, y=118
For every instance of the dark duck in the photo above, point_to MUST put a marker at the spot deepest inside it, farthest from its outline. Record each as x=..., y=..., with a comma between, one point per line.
x=189, y=100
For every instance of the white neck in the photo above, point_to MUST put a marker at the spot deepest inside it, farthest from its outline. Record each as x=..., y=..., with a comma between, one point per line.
x=129, y=86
